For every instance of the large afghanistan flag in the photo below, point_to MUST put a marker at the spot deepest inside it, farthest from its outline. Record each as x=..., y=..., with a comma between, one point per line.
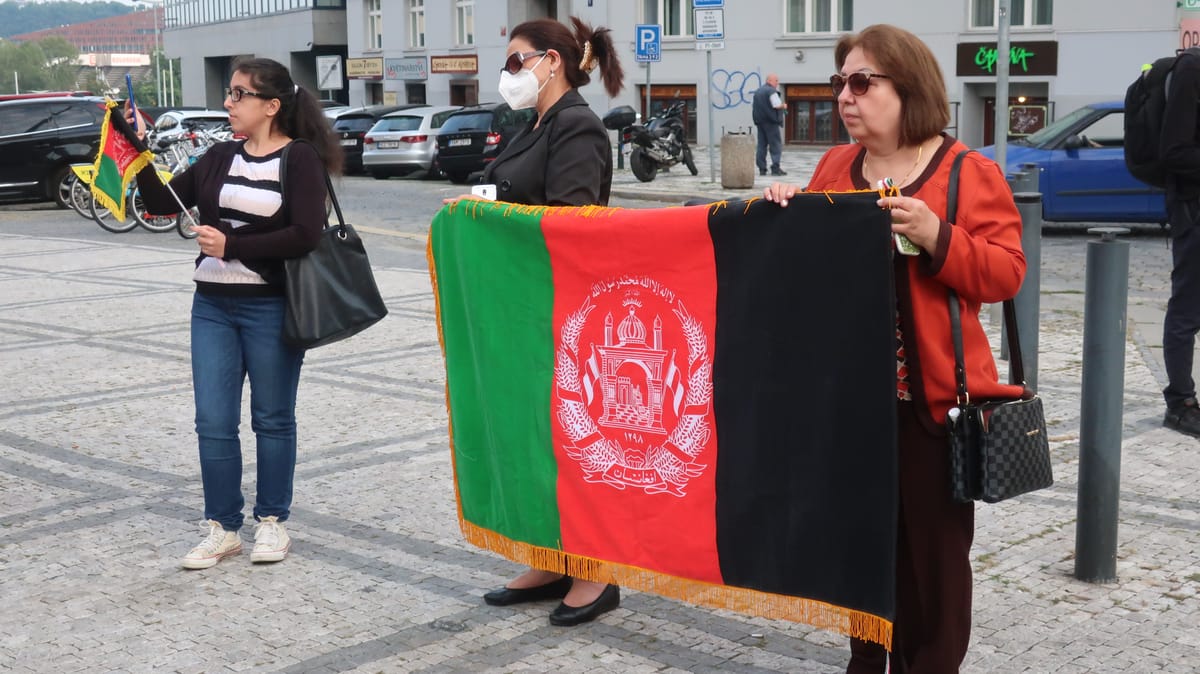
x=120, y=157
x=697, y=402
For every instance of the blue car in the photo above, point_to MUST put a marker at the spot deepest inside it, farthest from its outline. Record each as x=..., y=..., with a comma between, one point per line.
x=1083, y=176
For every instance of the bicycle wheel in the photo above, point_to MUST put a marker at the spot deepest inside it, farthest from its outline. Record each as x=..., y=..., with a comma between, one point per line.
x=71, y=183
x=81, y=199
x=154, y=223
x=106, y=220
x=183, y=226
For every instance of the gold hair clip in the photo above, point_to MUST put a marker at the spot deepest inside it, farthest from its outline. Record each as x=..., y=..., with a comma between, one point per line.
x=587, y=64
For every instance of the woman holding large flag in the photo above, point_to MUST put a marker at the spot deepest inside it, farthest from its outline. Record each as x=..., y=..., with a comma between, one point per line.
x=563, y=158
x=250, y=222
x=892, y=100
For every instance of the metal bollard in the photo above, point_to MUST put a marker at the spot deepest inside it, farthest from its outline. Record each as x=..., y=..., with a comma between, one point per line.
x=1028, y=302
x=1101, y=405
x=1033, y=177
x=1016, y=181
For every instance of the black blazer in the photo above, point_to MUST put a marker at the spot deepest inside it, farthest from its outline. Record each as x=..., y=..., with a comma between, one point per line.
x=565, y=161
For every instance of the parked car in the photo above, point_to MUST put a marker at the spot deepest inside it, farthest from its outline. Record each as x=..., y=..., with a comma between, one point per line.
x=40, y=138
x=473, y=137
x=1081, y=160
x=405, y=141
x=351, y=125
x=174, y=122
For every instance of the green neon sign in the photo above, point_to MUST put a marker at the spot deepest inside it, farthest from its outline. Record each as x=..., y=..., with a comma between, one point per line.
x=1018, y=56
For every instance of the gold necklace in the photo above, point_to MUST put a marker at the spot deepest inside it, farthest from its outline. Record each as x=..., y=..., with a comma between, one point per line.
x=904, y=180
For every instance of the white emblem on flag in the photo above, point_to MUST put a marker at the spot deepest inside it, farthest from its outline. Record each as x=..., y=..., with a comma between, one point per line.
x=632, y=415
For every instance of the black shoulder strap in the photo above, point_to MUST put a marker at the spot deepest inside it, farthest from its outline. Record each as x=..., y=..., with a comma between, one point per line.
x=1010, y=313
x=283, y=159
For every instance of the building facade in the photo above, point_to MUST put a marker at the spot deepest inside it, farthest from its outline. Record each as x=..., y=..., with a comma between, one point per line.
x=1064, y=53
x=132, y=33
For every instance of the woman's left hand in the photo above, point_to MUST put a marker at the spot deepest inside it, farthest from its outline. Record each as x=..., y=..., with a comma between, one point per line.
x=912, y=218
x=211, y=240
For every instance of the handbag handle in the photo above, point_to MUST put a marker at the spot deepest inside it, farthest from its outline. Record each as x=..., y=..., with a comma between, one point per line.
x=1010, y=312
x=328, y=182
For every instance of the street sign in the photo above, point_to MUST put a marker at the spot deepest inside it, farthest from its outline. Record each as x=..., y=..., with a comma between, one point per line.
x=329, y=72
x=1191, y=4
x=648, y=43
x=708, y=3
x=709, y=46
x=710, y=24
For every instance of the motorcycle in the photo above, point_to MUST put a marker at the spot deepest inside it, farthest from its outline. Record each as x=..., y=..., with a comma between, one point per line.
x=659, y=143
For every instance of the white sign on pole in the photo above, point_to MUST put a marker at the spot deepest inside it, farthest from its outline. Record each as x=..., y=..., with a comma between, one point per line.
x=1191, y=4
x=710, y=24
x=329, y=72
x=709, y=46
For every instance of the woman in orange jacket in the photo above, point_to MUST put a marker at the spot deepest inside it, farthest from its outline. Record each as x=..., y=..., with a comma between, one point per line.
x=892, y=100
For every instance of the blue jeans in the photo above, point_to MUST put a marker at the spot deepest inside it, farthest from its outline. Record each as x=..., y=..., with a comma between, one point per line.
x=233, y=337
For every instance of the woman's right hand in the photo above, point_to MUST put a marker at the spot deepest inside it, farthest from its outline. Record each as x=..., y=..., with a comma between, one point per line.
x=461, y=197
x=139, y=129
x=780, y=193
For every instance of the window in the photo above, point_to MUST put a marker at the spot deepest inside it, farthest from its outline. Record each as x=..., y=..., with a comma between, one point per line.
x=1025, y=13
x=818, y=16
x=374, y=24
x=464, y=21
x=675, y=16
x=416, y=24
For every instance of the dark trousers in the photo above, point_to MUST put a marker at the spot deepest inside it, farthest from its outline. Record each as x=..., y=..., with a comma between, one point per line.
x=1182, y=320
x=933, y=566
x=769, y=137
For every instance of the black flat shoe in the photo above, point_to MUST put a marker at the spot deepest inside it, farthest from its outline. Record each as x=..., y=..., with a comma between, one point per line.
x=566, y=616
x=507, y=596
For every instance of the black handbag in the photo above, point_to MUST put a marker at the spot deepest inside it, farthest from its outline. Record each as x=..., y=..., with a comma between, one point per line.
x=998, y=448
x=331, y=291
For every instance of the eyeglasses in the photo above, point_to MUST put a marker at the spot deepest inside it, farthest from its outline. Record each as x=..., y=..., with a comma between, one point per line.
x=859, y=82
x=516, y=60
x=236, y=93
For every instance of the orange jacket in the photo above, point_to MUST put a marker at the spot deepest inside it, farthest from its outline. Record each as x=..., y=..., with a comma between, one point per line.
x=979, y=257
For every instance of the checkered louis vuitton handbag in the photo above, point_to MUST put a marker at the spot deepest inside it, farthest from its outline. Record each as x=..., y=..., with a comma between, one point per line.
x=998, y=448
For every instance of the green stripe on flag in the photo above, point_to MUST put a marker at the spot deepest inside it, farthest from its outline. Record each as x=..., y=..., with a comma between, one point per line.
x=496, y=300
x=108, y=179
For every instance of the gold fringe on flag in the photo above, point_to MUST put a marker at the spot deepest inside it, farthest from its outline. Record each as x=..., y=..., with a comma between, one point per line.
x=823, y=615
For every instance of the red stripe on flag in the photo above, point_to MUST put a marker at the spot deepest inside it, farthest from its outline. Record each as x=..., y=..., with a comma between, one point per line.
x=636, y=477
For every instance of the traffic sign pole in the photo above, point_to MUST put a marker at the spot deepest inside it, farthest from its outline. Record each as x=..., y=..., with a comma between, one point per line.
x=710, y=33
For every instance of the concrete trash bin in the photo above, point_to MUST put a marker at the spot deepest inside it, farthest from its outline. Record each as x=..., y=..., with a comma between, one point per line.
x=737, y=160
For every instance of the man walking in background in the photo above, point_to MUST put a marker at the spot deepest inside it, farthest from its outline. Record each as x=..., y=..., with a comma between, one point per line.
x=1180, y=152
x=768, y=109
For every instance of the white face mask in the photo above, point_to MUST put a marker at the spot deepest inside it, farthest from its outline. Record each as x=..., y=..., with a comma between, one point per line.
x=521, y=91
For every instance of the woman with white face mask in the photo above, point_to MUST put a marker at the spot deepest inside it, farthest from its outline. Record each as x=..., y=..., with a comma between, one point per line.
x=563, y=158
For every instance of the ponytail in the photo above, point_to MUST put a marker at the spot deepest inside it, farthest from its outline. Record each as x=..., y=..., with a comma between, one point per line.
x=300, y=114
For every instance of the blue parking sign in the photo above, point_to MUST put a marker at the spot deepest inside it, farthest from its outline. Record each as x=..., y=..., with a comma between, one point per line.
x=648, y=43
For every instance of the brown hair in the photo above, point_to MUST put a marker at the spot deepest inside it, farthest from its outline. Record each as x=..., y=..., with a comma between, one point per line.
x=550, y=34
x=914, y=72
x=300, y=114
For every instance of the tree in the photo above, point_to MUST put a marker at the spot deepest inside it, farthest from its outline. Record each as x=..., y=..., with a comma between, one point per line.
x=39, y=66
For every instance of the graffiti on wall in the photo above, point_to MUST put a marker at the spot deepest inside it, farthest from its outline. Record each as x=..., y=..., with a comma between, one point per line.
x=732, y=88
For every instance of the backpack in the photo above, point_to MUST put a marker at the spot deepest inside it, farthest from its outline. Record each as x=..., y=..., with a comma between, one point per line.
x=1145, y=103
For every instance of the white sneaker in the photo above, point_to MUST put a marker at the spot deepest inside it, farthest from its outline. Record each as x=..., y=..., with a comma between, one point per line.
x=218, y=545
x=271, y=542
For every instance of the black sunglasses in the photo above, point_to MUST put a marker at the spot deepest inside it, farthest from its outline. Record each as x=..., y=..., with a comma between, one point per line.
x=859, y=82
x=236, y=93
x=516, y=60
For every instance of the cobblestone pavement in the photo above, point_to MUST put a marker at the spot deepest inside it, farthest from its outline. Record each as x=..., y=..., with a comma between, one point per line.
x=100, y=493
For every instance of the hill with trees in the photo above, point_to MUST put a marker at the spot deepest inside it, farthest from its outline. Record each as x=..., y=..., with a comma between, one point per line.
x=18, y=18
